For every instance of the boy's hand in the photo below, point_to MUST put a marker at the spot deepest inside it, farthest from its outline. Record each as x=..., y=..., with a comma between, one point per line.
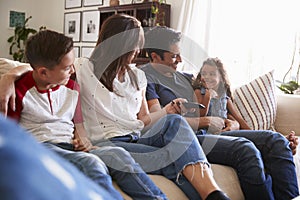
x=83, y=144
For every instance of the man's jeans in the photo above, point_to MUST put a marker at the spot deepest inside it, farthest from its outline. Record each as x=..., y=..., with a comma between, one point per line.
x=262, y=159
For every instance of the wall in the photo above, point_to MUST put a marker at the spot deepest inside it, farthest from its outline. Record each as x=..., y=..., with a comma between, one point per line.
x=50, y=13
x=43, y=12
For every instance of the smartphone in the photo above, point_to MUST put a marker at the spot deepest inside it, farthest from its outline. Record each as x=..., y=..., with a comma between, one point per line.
x=189, y=105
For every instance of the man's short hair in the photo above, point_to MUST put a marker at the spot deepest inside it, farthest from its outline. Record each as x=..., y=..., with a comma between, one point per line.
x=159, y=39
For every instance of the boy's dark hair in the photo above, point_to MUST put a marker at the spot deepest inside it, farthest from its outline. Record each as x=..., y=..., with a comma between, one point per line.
x=47, y=48
x=159, y=39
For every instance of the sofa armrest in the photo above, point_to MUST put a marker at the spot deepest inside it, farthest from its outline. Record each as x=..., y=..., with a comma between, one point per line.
x=288, y=114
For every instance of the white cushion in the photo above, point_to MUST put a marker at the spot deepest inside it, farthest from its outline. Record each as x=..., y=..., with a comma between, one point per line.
x=256, y=102
x=6, y=65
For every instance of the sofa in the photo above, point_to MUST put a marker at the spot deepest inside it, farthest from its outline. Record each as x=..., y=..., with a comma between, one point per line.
x=284, y=114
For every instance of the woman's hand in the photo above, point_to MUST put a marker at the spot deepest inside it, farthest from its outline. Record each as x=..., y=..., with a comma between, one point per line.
x=82, y=144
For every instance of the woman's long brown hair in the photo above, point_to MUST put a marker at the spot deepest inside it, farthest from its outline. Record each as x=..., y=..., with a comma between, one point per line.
x=132, y=40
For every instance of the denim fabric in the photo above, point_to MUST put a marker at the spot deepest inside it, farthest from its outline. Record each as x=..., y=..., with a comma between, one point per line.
x=278, y=160
x=166, y=149
x=127, y=173
x=29, y=171
x=252, y=153
x=89, y=164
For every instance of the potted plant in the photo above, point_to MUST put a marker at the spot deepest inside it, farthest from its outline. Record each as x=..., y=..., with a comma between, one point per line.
x=291, y=87
x=18, y=40
x=158, y=19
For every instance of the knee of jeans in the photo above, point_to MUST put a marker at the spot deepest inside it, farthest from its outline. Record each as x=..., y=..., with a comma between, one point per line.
x=119, y=159
x=203, y=165
x=245, y=150
x=93, y=161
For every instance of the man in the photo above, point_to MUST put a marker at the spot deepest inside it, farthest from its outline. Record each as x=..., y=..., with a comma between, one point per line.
x=273, y=158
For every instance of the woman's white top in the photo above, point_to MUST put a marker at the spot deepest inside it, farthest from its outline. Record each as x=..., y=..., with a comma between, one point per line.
x=107, y=114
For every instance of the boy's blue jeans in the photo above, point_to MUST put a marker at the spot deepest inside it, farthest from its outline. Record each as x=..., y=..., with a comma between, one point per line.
x=262, y=159
x=89, y=164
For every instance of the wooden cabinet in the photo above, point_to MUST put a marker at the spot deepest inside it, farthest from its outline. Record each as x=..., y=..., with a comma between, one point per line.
x=144, y=13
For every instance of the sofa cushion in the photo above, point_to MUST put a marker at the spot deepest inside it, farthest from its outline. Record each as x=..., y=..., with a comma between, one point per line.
x=256, y=102
x=288, y=114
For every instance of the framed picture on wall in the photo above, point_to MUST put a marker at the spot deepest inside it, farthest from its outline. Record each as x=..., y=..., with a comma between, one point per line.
x=92, y=2
x=86, y=51
x=72, y=25
x=77, y=51
x=72, y=4
x=90, y=26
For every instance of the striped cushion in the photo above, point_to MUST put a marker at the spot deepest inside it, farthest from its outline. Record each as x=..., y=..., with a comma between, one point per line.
x=256, y=102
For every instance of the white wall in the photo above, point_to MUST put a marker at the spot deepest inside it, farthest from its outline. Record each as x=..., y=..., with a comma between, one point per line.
x=43, y=12
x=50, y=13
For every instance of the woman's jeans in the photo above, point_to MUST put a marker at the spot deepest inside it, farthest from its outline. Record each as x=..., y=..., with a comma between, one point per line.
x=90, y=165
x=262, y=159
x=165, y=149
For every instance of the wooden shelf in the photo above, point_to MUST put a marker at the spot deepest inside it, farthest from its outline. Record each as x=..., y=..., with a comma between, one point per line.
x=143, y=12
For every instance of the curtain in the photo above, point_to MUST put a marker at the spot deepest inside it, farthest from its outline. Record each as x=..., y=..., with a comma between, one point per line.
x=250, y=37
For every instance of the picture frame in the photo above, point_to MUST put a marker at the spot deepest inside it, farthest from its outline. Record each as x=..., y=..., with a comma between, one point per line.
x=72, y=4
x=90, y=26
x=86, y=51
x=16, y=18
x=87, y=3
x=72, y=25
x=76, y=51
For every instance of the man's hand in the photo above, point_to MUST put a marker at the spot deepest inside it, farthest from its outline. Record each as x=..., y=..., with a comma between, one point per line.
x=7, y=93
x=215, y=124
x=293, y=139
x=231, y=125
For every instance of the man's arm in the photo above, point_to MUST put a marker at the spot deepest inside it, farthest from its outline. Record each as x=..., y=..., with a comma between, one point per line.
x=7, y=87
x=214, y=123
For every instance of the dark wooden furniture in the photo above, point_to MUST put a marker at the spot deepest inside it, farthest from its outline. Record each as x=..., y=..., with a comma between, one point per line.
x=142, y=11
x=145, y=13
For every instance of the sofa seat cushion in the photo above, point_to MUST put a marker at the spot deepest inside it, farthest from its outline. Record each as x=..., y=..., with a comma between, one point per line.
x=288, y=114
x=225, y=177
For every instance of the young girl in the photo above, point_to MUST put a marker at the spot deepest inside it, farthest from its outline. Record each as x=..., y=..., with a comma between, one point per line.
x=212, y=89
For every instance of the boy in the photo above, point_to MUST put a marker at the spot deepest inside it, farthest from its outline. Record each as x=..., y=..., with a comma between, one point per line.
x=47, y=104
